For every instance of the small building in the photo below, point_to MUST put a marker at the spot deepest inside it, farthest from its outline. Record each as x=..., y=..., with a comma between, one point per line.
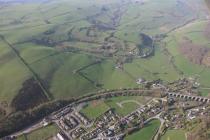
x=60, y=136
x=140, y=81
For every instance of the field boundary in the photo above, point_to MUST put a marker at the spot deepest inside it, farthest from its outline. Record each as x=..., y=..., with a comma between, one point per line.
x=36, y=77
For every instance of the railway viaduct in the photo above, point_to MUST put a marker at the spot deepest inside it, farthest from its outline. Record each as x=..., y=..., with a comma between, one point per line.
x=189, y=97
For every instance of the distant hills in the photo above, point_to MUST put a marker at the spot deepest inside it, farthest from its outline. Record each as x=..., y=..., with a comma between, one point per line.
x=20, y=1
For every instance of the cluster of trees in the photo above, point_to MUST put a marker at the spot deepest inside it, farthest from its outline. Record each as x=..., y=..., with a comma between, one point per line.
x=146, y=40
x=29, y=96
x=46, y=41
x=146, y=48
x=22, y=119
x=2, y=112
x=202, y=130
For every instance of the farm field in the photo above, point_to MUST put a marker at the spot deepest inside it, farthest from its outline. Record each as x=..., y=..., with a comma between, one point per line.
x=174, y=135
x=70, y=48
x=146, y=133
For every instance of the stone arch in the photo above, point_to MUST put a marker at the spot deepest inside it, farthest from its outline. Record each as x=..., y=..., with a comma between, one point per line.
x=171, y=94
x=197, y=99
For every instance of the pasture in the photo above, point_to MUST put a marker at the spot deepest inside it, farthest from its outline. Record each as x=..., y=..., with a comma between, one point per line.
x=75, y=47
x=145, y=133
x=95, y=109
x=174, y=135
x=197, y=33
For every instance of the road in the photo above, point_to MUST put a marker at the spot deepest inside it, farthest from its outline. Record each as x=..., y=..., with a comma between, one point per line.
x=31, y=128
x=162, y=121
x=145, y=122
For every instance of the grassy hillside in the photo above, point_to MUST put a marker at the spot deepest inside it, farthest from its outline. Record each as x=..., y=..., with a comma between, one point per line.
x=12, y=74
x=196, y=32
x=74, y=47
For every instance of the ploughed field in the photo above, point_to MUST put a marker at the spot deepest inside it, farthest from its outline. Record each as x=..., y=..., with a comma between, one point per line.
x=67, y=48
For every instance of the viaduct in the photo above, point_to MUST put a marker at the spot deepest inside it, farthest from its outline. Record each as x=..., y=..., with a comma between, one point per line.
x=189, y=97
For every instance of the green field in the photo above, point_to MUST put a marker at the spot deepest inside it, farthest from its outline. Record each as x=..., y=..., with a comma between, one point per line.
x=61, y=41
x=12, y=73
x=194, y=32
x=41, y=134
x=95, y=109
x=127, y=104
x=174, y=135
x=145, y=133
x=121, y=105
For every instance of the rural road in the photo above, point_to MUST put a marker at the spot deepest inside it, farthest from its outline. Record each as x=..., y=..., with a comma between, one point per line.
x=162, y=121
x=29, y=129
